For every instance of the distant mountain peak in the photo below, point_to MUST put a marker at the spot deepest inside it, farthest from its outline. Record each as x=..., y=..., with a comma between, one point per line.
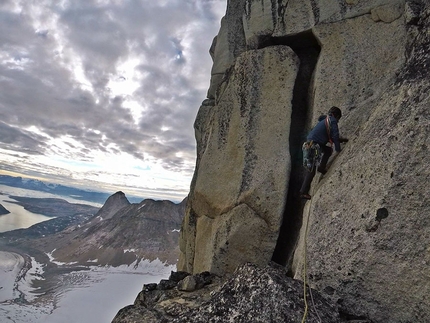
x=121, y=233
x=113, y=204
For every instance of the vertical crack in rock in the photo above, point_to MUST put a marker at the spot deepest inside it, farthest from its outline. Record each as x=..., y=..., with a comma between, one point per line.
x=315, y=10
x=282, y=9
x=307, y=49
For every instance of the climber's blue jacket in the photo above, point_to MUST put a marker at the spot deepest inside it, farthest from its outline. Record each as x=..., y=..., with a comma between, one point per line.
x=320, y=135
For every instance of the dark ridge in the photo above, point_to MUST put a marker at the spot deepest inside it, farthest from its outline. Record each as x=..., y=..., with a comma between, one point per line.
x=3, y=210
x=307, y=48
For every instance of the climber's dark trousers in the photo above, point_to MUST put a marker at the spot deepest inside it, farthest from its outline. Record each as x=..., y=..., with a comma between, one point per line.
x=327, y=151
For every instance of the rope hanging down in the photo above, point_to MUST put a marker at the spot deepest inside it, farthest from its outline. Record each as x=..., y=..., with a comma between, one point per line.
x=305, y=271
x=304, y=266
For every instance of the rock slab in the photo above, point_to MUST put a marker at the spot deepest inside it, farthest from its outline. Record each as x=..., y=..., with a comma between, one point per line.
x=237, y=197
x=251, y=294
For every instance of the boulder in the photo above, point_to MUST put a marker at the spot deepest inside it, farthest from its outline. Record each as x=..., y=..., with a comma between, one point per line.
x=188, y=284
x=194, y=282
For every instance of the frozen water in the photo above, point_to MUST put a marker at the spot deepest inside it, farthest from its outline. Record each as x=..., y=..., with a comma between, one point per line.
x=20, y=218
x=10, y=268
x=93, y=295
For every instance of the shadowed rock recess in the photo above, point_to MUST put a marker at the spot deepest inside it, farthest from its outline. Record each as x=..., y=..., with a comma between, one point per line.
x=277, y=66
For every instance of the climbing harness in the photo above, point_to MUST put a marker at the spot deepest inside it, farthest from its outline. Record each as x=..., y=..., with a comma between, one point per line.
x=312, y=155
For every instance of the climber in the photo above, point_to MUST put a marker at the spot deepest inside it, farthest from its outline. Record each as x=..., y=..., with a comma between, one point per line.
x=325, y=131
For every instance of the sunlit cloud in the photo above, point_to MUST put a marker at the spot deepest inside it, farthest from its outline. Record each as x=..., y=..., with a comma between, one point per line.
x=104, y=93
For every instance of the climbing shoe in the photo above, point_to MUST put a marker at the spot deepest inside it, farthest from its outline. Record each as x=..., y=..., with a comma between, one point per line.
x=322, y=170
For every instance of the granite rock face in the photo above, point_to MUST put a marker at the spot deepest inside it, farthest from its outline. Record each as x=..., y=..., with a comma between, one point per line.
x=241, y=181
x=282, y=64
x=369, y=225
x=278, y=65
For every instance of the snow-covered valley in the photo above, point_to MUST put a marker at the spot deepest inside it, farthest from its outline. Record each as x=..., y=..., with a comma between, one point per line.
x=43, y=279
x=94, y=294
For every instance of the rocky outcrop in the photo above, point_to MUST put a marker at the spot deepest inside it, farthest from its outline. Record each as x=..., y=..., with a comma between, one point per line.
x=278, y=65
x=3, y=210
x=251, y=294
x=227, y=45
x=112, y=205
x=238, y=143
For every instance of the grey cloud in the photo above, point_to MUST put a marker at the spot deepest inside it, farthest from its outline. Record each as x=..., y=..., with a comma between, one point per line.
x=94, y=33
x=21, y=140
x=14, y=29
x=37, y=87
x=42, y=33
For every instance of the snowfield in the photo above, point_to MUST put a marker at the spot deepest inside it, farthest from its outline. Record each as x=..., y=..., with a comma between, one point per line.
x=10, y=268
x=94, y=295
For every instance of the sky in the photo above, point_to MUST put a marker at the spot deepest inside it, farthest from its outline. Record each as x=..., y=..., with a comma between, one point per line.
x=103, y=94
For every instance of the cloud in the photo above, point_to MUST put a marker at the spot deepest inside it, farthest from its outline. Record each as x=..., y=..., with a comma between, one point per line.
x=16, y=139
x=88, y=78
